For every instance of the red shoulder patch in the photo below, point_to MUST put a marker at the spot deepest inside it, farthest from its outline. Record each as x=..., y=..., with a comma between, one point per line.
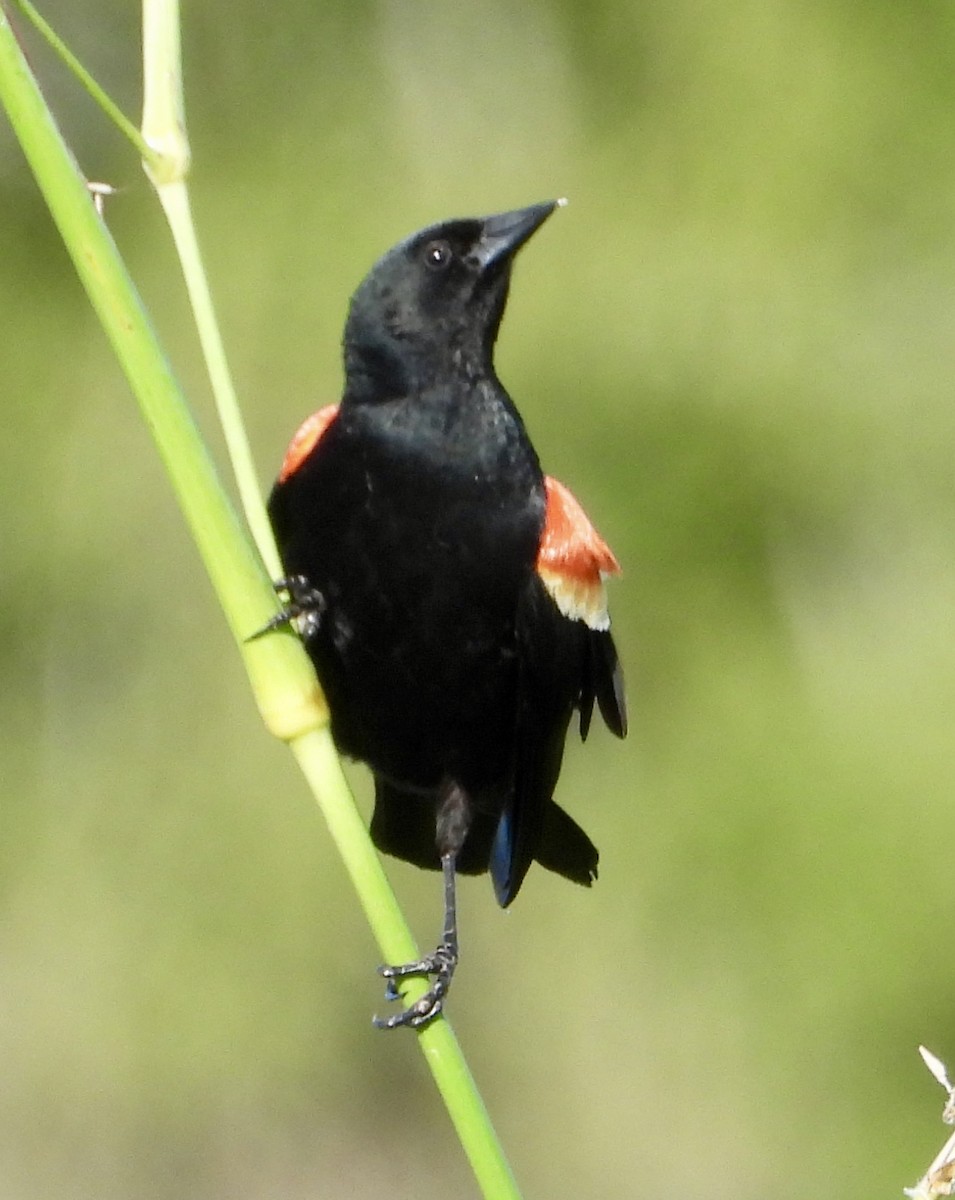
x=306, y=439
x=574, y=560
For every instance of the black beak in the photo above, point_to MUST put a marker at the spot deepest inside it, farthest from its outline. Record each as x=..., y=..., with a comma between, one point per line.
x=505, y=233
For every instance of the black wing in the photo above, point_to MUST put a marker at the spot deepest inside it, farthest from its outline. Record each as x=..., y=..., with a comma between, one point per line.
x=563, y=664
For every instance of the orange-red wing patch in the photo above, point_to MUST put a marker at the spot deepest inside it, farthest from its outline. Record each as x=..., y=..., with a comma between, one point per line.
x=305, y=440
x=574, y=560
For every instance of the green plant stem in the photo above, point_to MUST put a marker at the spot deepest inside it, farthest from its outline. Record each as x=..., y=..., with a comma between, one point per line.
x=174, y=198
x=164, y=126
x=320, y=764
x=102, y=98
x=281, y=676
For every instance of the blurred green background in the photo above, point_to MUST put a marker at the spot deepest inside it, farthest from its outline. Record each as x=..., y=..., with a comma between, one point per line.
x=736, y=346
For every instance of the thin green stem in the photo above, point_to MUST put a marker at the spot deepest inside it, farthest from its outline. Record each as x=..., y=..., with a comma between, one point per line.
x=174, y=198
x=102, y=98
x=320, y=764
x=164, y=125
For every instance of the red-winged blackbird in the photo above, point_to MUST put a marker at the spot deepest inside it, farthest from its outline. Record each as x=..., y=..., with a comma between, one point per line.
x=449, y=594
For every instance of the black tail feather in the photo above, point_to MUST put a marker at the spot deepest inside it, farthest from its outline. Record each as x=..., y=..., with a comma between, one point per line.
x=565, y=848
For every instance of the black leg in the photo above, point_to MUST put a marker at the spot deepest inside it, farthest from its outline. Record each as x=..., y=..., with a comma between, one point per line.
x=440, y=963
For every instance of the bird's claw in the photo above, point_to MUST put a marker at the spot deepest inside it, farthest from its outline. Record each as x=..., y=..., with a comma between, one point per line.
x=440, y=964
x=303, y=609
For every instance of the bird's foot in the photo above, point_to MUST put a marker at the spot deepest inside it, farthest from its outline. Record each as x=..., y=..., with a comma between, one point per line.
x=440, y=963
x=304, y=608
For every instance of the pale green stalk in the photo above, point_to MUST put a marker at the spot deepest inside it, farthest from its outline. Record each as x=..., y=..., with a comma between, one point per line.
x=164, y=131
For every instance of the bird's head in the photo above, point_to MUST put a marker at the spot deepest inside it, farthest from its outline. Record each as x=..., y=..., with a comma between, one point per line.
x=431, y=307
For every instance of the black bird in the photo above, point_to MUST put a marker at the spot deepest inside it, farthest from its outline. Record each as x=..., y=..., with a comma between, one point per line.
x=449, y=594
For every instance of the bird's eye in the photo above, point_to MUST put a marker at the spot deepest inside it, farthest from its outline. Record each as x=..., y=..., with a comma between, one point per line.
x=437, y=255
